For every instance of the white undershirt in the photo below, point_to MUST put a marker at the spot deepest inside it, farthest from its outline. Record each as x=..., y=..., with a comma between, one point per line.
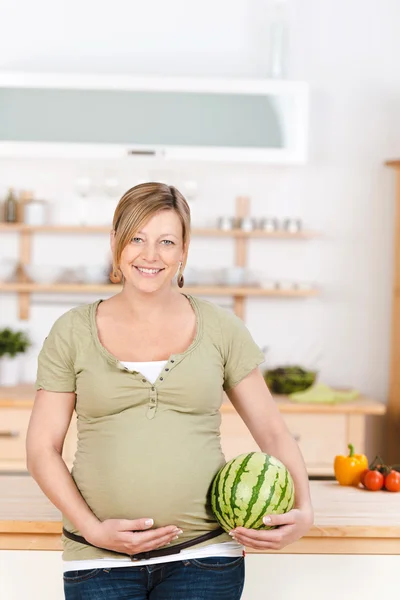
x=151, y=371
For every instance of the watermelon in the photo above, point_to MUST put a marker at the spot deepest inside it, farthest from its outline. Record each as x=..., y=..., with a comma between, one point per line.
x=249, y=487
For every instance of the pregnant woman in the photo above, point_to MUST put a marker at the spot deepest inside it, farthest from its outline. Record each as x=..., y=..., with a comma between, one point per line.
x=145, y=372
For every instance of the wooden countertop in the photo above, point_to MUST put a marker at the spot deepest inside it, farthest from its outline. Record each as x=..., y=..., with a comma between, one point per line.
x=347, y=520
x=22, y=396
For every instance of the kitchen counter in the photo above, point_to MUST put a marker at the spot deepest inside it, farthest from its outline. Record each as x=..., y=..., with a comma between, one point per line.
x=321, y=430
x=347, y=520
x=22, y=396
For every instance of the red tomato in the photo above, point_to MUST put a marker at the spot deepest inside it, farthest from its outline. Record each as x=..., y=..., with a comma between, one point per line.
x=392, y=481
x=373, y=480
x=363, y=474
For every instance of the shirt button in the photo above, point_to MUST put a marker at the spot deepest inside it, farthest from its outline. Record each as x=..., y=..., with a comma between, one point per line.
x=153, y=388
x=167, y=369
x=144, y=381
x=161, y=378
x=172, y=361
x=152, y=401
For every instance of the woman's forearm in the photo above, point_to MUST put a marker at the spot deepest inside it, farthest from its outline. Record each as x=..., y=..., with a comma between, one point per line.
x=285, y=448
x=53, y=477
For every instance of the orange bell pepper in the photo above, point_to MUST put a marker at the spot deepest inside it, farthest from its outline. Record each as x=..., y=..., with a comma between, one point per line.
x=348, y=469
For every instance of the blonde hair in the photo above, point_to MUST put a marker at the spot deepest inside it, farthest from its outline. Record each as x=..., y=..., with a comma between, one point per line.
x=138, y=205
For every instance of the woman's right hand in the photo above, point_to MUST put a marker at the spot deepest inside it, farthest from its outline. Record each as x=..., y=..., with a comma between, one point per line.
x=131, y=537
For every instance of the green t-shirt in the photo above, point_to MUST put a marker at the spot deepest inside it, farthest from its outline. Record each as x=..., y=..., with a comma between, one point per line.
x=144, y=449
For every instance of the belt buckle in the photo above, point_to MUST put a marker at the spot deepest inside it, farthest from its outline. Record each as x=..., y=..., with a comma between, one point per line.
x=140, y=556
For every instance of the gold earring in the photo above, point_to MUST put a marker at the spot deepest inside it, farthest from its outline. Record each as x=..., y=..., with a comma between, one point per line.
x=115, y=276
x=180, y=280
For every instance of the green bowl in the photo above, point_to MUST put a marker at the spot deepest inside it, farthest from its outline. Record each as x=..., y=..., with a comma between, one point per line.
x=289, y=379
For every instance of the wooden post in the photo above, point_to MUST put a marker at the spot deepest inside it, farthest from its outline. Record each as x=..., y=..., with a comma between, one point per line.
x=242, y=210
x=392, y=455
x=25, y=248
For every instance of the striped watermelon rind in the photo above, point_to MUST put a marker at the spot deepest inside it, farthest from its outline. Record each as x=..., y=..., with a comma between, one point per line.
x=249, y=487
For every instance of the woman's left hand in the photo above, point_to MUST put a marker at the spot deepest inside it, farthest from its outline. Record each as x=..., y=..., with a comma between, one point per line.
x=292, y=526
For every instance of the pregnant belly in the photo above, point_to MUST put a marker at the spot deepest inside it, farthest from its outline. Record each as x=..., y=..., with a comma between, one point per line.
x=159, y=482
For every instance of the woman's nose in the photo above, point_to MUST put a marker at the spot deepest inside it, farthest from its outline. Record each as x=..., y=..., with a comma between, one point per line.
x=150, y=252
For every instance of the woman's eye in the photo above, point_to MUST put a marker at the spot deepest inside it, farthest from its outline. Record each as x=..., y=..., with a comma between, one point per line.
x=167, y=242
x=137, y=240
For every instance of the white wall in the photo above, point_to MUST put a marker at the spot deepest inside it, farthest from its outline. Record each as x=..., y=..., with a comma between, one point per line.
x=311, y=576
x=348, y=52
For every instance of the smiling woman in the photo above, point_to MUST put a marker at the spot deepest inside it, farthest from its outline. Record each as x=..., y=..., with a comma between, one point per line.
x=145, y=372
x=150, y=236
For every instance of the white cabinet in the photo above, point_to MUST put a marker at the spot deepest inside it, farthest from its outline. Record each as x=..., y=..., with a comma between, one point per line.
x=65, y=115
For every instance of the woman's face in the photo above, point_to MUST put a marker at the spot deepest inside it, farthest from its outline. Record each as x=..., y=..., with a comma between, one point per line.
x=151, y=259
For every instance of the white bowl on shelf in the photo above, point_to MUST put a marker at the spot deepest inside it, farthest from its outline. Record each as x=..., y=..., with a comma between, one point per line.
x=43, y=274
x=234, y=276
x=92, y=274
x=7, y=271
x=240, y=276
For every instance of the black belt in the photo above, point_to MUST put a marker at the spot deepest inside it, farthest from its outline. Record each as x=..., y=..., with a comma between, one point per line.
x=152, y=553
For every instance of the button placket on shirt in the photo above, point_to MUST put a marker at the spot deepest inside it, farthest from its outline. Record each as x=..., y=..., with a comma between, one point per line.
x=152, y=406
x=153, y=393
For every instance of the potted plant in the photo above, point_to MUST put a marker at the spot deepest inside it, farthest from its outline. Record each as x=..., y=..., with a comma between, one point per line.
x=12, y=344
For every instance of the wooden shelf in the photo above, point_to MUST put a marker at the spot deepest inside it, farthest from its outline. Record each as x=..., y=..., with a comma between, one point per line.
x=196, y=231
x=239, y=237
x=201, y=290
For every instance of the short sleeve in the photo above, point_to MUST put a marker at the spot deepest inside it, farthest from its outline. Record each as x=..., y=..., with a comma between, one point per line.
x=56, y=370
x=241, y=353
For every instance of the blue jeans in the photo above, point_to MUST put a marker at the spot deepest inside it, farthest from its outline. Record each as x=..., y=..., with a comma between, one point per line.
x=213, y=578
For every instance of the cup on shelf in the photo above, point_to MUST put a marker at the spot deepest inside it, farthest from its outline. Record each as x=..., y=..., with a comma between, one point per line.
x=226, y=223
x=36, y=212
x=247, y=224
x=292, y=225
x=269, y=224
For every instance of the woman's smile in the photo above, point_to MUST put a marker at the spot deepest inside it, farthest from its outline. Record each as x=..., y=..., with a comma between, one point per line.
x=148, y=272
